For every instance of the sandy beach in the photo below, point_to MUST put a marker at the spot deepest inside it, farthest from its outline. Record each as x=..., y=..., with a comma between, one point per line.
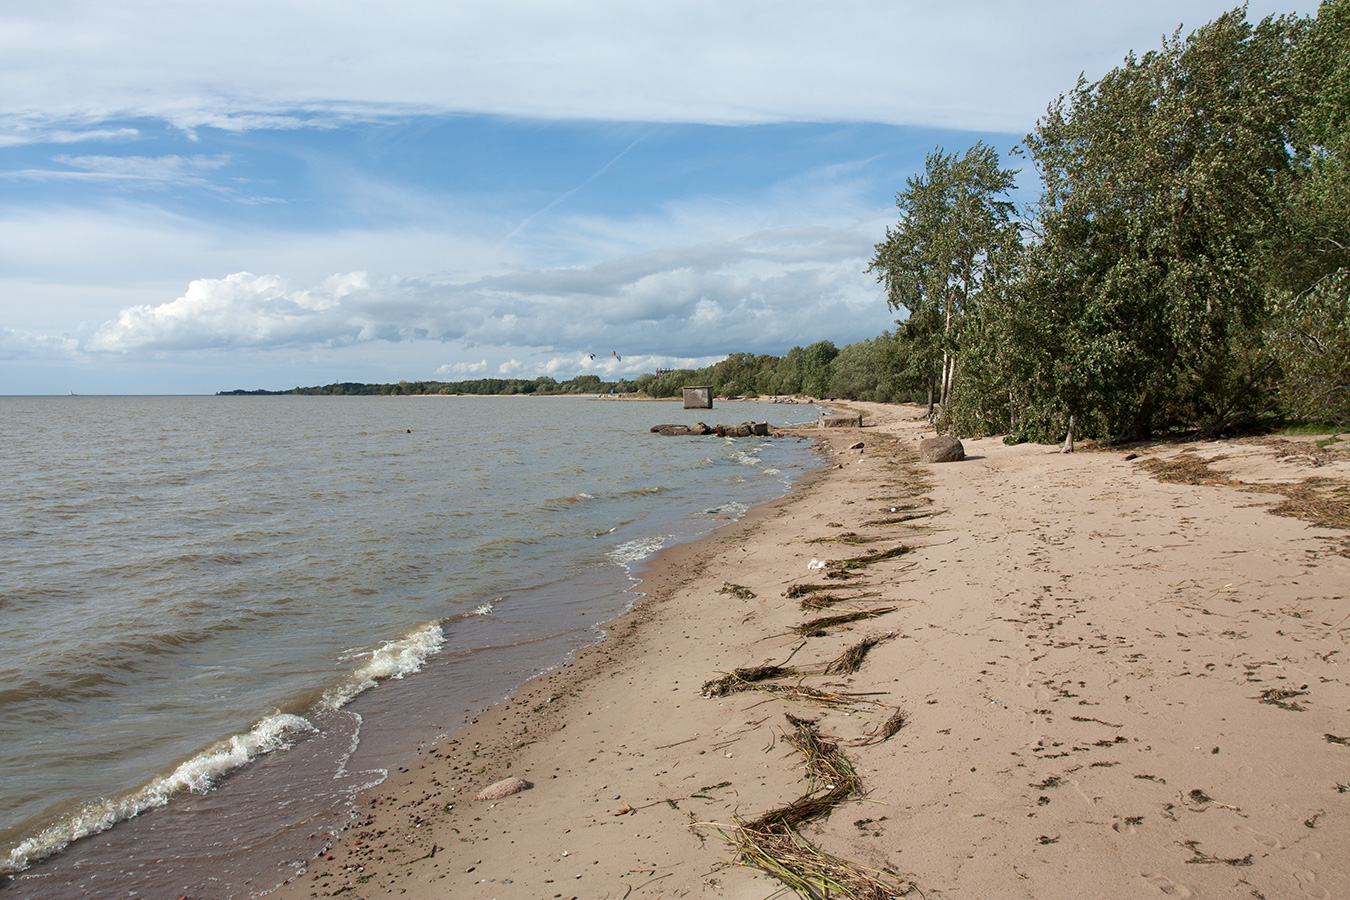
x=1077, y=679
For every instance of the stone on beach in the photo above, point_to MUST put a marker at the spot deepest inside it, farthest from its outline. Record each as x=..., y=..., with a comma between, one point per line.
x=944, y=448
x=504, y=788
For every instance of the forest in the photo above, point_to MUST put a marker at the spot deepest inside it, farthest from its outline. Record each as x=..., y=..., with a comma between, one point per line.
x=1186, y=267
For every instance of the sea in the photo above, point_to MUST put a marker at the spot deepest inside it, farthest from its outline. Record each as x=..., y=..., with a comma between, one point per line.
x=223, y=617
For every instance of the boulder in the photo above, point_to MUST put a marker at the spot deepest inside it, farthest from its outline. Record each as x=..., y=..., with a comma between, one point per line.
x=944, y=448
x=681, y=430
x=839, y=420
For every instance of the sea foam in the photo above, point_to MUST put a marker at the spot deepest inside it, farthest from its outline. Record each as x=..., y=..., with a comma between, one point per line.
x=275, y=732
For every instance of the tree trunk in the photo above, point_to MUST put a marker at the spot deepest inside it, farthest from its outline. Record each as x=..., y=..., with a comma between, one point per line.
x=1068, y=441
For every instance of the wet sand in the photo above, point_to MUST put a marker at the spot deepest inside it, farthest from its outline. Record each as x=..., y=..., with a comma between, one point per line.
x=1110, y=685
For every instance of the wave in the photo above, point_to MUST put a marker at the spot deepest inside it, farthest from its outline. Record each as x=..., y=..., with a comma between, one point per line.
x=392, y=659
x=643, y=491
x=732, y=510
x=630, y=552
x=275, y=732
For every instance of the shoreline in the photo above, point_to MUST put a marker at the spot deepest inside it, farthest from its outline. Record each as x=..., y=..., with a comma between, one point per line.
x=1111, y=686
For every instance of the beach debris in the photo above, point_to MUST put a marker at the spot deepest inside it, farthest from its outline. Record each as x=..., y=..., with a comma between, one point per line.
x=848, y=537
x=817, y=564
x=885, y=730
x=821, y=601
x=1202, y=858
x=1333, y=739
x=867, y=559
x=504, y=788
x=771, y=842
x=830, y=775
x=851, y=659
x=801, y=590
x=739, y=591
x=1282, y=697
x=741, y=679
x=816, y=625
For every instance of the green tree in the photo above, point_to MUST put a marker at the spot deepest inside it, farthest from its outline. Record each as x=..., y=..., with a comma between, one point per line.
x=1310, y=328
x=1161, y=214
x=953, y=244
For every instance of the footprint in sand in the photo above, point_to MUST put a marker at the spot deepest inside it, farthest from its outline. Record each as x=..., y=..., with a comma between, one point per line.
x=1168, y=886
x=1127, y=825
x=1264, y=840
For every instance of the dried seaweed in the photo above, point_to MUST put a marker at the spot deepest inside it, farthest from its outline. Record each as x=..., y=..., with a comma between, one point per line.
x=824, y=622
x=889, y=521
x=801, y=590
x=821, y=601
x=1321, y=501
x=1281, y=697
x=743, y=679
x=1203, y=858
x=814, y=696
x=867, y=559
x=771, y=844
x=848, y=537
x=851, y=659
x=1333, y=739
x=831, y=779
x=736, y=590
x=810, y=871
x=1185, y=468
x=885, y=730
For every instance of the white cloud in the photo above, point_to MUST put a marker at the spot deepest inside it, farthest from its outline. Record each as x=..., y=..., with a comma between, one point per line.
x=684, y=302
x=976, y=64
x=460, y=369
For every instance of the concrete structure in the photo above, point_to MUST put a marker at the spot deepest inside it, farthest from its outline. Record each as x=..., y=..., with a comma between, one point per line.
x=698, y=397
x=839, y=420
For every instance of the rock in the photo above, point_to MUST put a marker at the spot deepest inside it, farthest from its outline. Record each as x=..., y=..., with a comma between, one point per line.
x=941, y=449
x=838, y=420
x=681, y=430
x=857, y=446
x=504, y=788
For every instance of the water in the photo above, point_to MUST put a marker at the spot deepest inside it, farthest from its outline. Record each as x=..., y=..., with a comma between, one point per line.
x=240, y=609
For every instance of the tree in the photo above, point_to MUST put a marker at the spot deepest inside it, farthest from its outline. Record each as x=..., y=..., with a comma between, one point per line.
x=1310, y=328
x=1159, y=222
x=951, y=246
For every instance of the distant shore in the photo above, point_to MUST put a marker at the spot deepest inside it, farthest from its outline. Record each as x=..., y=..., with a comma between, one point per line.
x=1099, y=684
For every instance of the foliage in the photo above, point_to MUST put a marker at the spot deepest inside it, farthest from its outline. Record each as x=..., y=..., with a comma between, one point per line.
x=1163, y=189
x=954, y=244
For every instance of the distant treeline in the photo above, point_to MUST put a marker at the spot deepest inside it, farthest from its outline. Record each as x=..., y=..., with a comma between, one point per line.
x=867, y=370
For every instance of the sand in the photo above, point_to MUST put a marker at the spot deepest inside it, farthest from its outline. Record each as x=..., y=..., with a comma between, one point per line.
x=1111, y=686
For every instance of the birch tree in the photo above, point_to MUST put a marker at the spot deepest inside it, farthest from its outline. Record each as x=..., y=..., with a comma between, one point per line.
x=945, y=254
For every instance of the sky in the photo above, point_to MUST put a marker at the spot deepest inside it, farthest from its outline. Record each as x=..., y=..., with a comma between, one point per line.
x=205, y=196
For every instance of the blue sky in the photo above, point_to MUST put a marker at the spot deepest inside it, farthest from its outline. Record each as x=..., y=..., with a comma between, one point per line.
x=206, y=196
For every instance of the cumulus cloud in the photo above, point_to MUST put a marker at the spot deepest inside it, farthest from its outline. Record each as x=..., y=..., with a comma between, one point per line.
x=764, y=293
x=461, y=369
